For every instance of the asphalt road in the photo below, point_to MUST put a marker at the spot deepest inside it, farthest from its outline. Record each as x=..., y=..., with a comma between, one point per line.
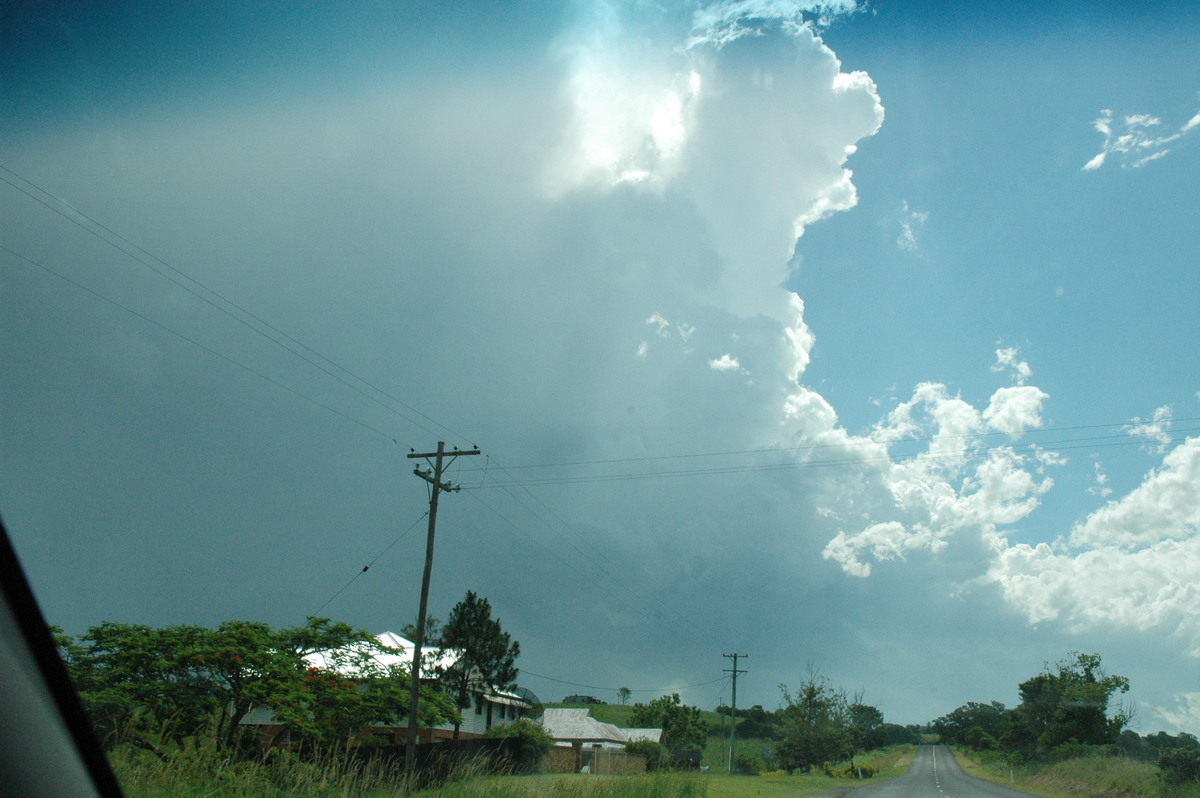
x=934, y=773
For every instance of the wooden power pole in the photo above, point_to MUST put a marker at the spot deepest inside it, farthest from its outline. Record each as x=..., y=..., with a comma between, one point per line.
x=733, y=708
x=438, y=460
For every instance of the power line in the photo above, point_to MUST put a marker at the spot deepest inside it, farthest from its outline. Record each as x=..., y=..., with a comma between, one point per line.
x=632, y=689
x=367, y=567
x=225, y=305
x=815, y=447
x=887, y=457
x=197, y=344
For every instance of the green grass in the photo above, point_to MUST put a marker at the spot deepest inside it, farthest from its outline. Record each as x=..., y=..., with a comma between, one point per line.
x=1082, y=777
x=890, y=762
x=203, y=773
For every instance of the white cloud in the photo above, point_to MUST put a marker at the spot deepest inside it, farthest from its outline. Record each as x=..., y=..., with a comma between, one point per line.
x=659, y=324
x=726, y=363
x=723, y=23
x=911, y=223
x=953, y=485
x=1101, y=488
x=801, y=339
x=1015, y=409
x=1133, y=139
x=1185, y=715
x=1134, y=562
x=1165, y=506
x=1008, y=358
x=1156, y=429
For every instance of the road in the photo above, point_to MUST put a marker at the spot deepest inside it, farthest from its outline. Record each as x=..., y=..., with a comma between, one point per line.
x=934, y=773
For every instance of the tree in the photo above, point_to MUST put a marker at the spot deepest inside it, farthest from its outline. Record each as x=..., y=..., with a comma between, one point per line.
x=334, y=704
x=865, y=728
x=1067, y=705
x=813, y=724
x=983, y=724
x=623, y=695
x=486, y=653
x=150, y=686
x=755, y=722
x=683, y=727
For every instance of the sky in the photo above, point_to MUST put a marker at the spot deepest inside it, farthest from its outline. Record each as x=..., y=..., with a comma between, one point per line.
x=852, y=335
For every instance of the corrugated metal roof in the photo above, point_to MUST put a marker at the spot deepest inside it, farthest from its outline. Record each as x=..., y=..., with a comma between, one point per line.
x=433, y=659
x=578, y=724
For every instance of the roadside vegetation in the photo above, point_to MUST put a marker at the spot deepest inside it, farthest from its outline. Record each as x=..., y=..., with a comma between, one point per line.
x=1067, y=738
x=168, y=706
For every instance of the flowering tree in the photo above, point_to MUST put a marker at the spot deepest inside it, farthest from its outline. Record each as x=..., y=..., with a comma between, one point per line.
x=149, y=686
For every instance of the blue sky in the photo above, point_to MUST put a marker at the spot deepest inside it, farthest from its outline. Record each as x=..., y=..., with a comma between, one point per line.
x=859, y=336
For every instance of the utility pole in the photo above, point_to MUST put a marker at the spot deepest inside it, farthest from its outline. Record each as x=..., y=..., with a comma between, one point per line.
x=733, y=707
x=433, y=476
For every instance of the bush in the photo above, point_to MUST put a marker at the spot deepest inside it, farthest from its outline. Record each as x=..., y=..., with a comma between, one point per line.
x=849, y=771
x=748, y=764
x=1179, y=765
x=531, y=743
x=657, y=755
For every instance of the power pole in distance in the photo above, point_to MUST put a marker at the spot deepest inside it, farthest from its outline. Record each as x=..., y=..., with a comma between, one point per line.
x=438, y=460
x=733, y=708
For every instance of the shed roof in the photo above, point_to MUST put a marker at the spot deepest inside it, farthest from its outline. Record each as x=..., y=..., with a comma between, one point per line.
x=579, y=725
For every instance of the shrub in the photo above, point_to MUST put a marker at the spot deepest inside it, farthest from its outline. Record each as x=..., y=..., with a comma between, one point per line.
x=849, y=771
x=657, y=755
x=1179, y=765
x=531, y=743
x=748, y=764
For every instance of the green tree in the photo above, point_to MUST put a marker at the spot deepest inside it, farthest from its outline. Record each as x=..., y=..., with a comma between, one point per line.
x=864, y=725
x=991, y=721
x=531, y=742
x=1069, y=704
x=623, y=695
x=755, y=722
x=149, y=686
x=486, y=654
x=683, y=727
x=353, y=691
x=1179, y=765
x=813, y=724
x=143, y=685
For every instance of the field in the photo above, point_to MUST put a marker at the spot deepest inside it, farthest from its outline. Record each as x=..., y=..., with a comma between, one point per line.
x=198, y=774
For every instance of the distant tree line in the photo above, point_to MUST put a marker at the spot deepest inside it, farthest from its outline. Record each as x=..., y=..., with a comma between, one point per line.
x=1061, y=709
x=816, y=726
x=1068, y=710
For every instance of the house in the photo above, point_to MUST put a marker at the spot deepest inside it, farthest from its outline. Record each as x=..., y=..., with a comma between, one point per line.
x=489, y=706
x=582, y=742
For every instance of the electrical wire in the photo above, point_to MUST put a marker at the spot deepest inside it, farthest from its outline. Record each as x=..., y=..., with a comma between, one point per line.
x=198, y=344
x=226, y=306
x=367, y=567
x=632, y=690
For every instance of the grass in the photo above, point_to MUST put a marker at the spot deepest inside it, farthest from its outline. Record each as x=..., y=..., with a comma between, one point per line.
x=1093, y=776
x=203, y=773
